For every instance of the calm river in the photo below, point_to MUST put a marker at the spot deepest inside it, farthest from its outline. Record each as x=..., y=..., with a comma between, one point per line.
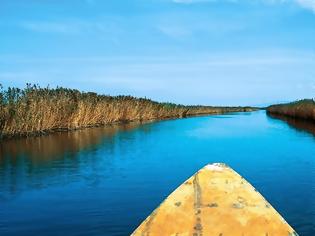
x=105, y=181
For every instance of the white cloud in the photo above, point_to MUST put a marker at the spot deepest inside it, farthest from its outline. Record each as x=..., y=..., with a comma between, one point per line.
x=49, y=27
x=228, y=78
x=199, y=1
x=308, y=4
x=174, y=31
x=72, y=26
x=191, y=1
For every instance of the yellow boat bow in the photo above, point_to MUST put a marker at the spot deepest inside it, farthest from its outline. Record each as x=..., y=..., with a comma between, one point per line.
x=216, y=201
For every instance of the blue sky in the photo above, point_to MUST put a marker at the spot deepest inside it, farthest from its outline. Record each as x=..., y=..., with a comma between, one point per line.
x=211, y=52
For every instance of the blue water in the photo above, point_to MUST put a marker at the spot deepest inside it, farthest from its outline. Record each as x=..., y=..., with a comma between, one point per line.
x=105, y=181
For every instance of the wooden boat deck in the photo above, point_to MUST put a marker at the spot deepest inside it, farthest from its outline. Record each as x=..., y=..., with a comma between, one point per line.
x=215, y=201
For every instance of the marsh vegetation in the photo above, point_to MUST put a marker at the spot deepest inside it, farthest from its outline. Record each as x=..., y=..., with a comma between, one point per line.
x=302, y=109
x=35, y=110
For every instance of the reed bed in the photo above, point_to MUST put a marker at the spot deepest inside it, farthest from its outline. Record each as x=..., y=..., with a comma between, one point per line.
x=35, y=110
x=303, y=109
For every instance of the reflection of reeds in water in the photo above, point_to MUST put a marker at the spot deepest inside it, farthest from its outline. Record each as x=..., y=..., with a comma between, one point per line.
x=37, y=110
x=46, y=148
x=62, y=155
x=299, y=124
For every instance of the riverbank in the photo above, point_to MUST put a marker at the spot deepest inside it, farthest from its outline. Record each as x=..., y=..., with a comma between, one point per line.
x=36, y=111
x=303, y=109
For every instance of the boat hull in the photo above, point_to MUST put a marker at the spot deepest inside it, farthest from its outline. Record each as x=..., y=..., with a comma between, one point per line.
x=215, y=201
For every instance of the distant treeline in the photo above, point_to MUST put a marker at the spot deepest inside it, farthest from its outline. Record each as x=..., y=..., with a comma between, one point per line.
x=35, y=110
x=303, y=109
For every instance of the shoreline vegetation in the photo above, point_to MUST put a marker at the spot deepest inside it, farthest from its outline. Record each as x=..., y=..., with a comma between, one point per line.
x=34, y=111
x=302, y=109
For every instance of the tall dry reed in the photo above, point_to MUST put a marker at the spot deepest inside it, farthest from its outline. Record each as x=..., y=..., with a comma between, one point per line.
x=36, y=110
x=303, y=109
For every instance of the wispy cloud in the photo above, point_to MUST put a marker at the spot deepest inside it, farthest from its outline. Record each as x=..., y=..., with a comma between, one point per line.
x=230, y=58
x=203, y=1
x=174, y=31
x=50, y=27
x=192, y=1
x=308, y=4
x=181, y=30
x=228, y=78
x=72, y=26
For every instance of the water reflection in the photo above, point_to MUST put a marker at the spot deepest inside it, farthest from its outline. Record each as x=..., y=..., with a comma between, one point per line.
x=48, y=148
x=27, y=163
x=298, y=124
